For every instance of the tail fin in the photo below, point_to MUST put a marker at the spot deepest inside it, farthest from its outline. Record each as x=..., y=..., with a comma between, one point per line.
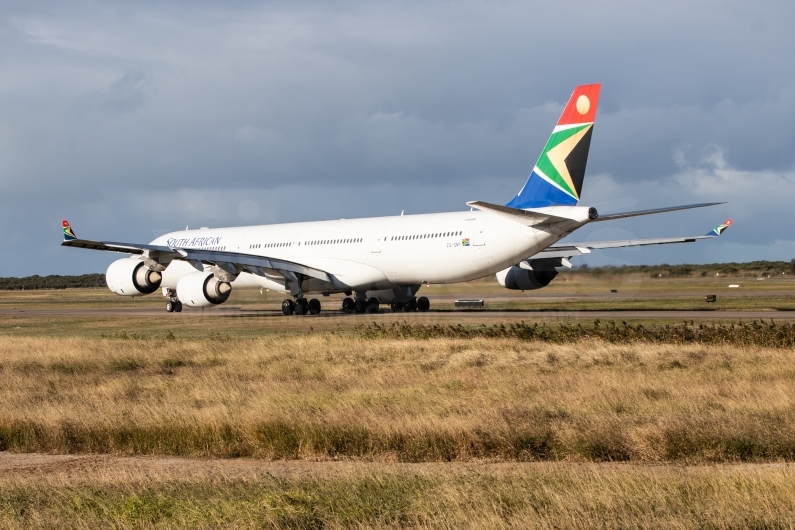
x=720, y=229
x=68, y=234
x=557, y=177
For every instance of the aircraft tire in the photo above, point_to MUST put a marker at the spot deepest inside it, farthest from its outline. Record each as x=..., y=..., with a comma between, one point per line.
x=178, y=308
x=288, y=307
x=314, y=306
x=410, y=306
x=170, y=306
x=348, y=306
x=423, y=304
x=360, y=306
x=372, y=302
x=396, y=306
x=301, y=307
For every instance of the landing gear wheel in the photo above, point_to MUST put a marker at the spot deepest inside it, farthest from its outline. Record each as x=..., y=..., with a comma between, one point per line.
x=410, y=306
x=348, y=306
x=423, y=304
x=372, y=305
x=301, y=306
x=396, y=306
x=288, y=307
x=314, y=306
x=170, y=306
x=178, y=308
x=360, y=306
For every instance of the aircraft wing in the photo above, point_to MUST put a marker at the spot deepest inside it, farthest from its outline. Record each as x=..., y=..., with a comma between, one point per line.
x=578, y=249
x=622, y=215
x=110, y=246
x=251, y=263
x=197, y=257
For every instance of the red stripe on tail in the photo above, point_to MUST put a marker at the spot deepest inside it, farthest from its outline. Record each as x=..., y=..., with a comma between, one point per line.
x=581, y=107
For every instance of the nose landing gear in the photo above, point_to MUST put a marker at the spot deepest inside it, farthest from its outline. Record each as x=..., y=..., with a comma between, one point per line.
x=173, y=305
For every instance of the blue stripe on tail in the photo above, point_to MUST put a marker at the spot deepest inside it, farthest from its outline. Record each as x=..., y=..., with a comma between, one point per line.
x=538, y=192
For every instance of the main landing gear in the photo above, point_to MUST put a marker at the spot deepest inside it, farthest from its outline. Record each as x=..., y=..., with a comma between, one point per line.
x=301, y=306
x=360, y=305
x=414, y=304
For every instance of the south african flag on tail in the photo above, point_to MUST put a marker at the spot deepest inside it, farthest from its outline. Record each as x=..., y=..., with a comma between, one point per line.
x=557, y=177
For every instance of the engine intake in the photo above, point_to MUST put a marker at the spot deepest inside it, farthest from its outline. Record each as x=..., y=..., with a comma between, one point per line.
x=202, y=289
x=131, y=277
x=518, y=278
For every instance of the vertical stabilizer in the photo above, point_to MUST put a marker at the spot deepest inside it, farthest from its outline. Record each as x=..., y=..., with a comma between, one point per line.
x=557, y=177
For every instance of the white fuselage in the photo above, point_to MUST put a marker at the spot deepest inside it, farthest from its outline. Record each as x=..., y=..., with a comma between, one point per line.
x=380, y=253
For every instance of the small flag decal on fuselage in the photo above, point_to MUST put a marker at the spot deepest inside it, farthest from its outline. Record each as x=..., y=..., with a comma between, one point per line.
x=465, y=242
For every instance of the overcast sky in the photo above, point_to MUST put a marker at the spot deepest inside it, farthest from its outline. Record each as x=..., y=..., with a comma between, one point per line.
x=131, y=119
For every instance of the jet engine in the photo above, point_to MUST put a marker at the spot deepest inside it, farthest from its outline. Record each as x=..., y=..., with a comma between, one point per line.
x=523, y=279
x=202, y=289
x=131, y=277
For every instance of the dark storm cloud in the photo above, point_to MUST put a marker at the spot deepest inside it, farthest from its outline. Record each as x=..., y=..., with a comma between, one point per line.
x=134, y=118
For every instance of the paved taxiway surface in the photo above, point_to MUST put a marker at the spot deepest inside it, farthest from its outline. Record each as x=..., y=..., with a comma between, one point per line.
x=232, y=312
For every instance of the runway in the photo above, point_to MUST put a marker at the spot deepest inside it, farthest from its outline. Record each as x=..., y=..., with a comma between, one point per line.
x=238, y=312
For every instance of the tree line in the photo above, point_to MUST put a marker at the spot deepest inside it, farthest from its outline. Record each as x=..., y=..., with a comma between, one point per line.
x=53, y=281
x=749, y=269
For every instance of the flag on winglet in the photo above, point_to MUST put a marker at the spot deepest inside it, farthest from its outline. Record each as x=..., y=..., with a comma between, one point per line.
x=68, y=233
x=715, y=232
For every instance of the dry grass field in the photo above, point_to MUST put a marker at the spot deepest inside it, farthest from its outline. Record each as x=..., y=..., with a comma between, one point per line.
x=326, y=395
x=330, y=423
x=102, y=492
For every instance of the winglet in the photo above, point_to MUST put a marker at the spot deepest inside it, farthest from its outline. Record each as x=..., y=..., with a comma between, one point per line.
x=720, y=229
x=68, y=234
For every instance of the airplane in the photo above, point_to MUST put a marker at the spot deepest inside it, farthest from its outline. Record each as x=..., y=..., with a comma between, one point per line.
x=386, y=260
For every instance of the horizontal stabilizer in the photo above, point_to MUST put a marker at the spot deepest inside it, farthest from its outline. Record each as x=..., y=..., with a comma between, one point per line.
x=531, y=217
x=610, y=217
x=578, y=249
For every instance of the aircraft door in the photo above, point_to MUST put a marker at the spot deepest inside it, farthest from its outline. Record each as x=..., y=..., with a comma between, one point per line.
x=478, y=239
x=240, y=243
x=379, y=235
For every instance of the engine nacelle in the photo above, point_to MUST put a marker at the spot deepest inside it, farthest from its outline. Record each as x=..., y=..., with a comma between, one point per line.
x=131, y=277
x=202, y=289
x=526, y=280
